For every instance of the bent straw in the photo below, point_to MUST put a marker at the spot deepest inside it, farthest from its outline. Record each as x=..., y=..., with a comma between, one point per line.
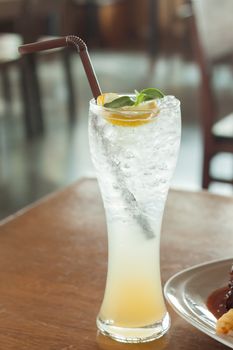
x=70, y=40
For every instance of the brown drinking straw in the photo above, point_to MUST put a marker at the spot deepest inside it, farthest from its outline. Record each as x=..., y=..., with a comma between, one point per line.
x=70, y=40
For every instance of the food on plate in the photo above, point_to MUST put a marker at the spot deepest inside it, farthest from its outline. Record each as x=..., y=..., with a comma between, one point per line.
x=220, y=303
x=225, y=323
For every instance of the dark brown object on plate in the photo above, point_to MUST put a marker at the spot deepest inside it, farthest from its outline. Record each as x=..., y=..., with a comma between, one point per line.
x=53, y=259
x=229, y=296
x=216, y=302
x=221, y=300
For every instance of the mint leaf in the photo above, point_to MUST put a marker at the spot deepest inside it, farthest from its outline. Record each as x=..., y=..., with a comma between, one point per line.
x=142, y=96
x=147, y=95
x=139, y=99
x=120, y=102
x=152, y=93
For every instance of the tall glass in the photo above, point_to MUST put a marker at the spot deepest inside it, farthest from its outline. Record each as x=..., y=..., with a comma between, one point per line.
x=134, y=154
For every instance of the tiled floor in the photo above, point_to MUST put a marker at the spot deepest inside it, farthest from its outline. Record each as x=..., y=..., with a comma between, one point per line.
x=31, y=169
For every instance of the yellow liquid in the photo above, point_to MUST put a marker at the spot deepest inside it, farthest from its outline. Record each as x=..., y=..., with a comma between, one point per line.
x=136, y=302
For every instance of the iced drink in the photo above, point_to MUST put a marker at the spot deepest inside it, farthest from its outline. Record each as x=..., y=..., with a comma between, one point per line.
x=134, y=150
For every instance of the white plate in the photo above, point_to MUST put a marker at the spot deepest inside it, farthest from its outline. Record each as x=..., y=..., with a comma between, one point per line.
x=188, y=290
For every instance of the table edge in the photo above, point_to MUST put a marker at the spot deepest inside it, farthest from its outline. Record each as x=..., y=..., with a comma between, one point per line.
x=59, y=191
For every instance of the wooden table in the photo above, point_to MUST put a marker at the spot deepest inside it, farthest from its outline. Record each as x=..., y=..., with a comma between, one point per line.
x=53, y=259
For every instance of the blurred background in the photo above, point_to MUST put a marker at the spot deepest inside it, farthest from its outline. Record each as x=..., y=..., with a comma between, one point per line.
x=182, y=47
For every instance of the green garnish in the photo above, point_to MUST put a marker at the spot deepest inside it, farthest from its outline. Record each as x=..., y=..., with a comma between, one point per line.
x=120, y=102
x=142, y=96
x=152, y=93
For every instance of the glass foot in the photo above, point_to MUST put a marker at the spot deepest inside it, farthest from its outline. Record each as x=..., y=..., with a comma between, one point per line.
x=135, y=335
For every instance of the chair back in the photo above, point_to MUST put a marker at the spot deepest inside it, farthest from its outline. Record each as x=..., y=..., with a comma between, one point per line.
x=212, y=34
x=214, y=21
x=210, y=20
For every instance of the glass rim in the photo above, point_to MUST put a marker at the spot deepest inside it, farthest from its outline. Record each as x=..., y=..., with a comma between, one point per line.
x=161, y=107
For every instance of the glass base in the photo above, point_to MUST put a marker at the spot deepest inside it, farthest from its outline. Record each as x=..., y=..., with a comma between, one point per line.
x=135, y=335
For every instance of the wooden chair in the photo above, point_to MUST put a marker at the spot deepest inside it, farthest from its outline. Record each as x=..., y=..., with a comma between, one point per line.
x=212, y=32
x=43, y=18
x=9, y=57
x=31, y=25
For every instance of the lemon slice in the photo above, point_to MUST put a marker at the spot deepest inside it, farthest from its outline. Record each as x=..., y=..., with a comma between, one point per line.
x=121, y=118
x=129, y=121
x=106, y=98
x=137, y=119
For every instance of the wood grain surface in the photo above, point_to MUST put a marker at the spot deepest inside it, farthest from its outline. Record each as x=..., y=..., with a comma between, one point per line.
x=53, y=259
